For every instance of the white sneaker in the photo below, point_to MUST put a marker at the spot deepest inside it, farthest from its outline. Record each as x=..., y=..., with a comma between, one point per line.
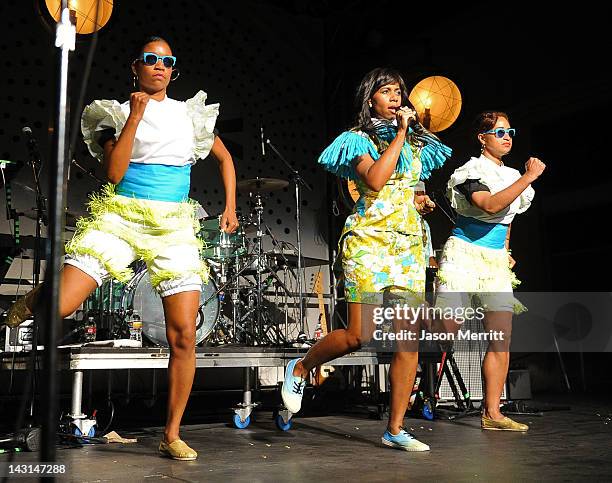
x=404, y=441
x=293, y=388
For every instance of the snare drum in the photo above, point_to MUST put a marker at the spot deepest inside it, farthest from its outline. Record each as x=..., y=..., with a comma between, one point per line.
x=140, y=297
x=219, y=245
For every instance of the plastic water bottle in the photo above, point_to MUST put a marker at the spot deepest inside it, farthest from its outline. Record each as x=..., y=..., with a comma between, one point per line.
x=89, y=329
x=135, y=325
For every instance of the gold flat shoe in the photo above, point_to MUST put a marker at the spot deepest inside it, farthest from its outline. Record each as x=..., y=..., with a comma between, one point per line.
x=177, y=450
x=19, y=311
x=505, y=424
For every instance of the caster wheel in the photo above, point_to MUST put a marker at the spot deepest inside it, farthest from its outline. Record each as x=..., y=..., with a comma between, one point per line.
x=91, y=433
x=241, y=424
x=428, y=410
x=281, y=424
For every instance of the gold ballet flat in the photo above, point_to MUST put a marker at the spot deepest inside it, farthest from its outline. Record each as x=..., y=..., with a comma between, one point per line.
x=505, y=424
x=19, y=311
x=177, y=450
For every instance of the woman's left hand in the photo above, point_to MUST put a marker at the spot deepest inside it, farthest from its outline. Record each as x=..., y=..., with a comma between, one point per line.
x=229, y=221
x=423, y=204
x=511, y=261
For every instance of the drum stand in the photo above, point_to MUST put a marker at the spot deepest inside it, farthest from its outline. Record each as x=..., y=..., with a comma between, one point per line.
x=299, y=183
x=257, y=316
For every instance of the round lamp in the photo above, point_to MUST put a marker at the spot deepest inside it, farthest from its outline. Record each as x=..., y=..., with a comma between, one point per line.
x=437, y=100
x=90, y=15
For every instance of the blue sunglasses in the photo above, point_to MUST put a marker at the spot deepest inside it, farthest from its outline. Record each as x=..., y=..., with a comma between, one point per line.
x=500, y=132
x=149, y=58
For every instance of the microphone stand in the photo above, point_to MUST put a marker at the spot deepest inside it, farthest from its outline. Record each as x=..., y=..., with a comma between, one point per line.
x=65, y=40
x=279, y=244
x=41, y=219
x=299, y=183
x=88, y=172
x=439, y=205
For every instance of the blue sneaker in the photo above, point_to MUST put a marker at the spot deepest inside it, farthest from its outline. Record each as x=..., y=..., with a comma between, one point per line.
x=404, y=440
x=293, y=388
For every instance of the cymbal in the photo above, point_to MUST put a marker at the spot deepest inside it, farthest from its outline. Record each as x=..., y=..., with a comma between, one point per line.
x=24, y=186
x=71, y=217
x=292, y=260
x=261, y=185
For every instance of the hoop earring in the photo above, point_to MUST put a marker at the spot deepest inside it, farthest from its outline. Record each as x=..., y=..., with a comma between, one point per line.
x=178, y=73
x=134, y=80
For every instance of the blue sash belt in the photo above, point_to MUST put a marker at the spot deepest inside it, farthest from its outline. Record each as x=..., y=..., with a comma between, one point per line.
x=156, y=182
x=481, y=233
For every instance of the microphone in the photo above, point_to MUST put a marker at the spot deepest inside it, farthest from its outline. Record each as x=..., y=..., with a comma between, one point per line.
x=263, y=144
x=28, y=439
x=32, y=145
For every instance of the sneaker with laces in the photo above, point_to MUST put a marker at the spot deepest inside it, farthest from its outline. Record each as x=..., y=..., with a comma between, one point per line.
x=293, y=388
x=404, y=441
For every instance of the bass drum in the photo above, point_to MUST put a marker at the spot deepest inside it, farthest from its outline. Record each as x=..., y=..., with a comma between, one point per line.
x=140, y=296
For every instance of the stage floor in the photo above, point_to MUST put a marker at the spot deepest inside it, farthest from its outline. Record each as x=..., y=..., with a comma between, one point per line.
x=561, y=446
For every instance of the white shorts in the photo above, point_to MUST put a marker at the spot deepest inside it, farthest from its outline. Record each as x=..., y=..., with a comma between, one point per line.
x=122, y=230
x=475, y=276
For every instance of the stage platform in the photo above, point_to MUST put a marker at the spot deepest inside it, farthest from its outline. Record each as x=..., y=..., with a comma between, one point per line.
x=569, y=445
x=80, y=359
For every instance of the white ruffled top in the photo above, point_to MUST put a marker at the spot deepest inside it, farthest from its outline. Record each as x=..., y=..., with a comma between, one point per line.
x=173, y=133
x=496, y=178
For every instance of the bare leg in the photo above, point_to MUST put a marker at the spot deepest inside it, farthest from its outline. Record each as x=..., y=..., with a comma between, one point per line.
x=402, y=373
x=180, y=311
x=496, y=362
x=360, y=329
x=75, y=287
x=401, y=376
x=340, y=341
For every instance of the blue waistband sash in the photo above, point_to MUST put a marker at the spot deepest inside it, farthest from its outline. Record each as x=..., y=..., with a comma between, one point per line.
x=158, y=182
x=481, y=233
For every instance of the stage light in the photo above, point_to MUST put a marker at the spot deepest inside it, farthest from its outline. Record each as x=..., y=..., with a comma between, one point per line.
x=88, y=15
x=437, y=100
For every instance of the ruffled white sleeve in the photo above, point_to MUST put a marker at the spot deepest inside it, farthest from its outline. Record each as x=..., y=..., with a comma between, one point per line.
x=525, y=199
x=468, y=171
x=97, y=117
x=495, y=179
x=203, y=118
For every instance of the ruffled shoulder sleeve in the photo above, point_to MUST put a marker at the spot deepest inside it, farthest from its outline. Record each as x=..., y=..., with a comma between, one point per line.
x=339, y=157
x=433, y=154
x=524, y=201
x=485, y=173
x=470, y=170
x=97, y=117
x=203, y=117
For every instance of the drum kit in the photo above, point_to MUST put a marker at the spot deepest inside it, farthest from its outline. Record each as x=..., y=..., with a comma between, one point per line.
x=246, y=299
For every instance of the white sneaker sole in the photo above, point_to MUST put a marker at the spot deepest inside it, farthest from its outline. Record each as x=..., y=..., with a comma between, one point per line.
x=403, y=448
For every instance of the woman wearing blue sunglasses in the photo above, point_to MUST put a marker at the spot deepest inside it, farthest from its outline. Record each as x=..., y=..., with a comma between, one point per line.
x=147, y=146
x=476, y=266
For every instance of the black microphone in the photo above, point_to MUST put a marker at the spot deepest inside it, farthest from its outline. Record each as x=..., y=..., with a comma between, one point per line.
x=27, y=438
x=263, y=144
x=32, y=145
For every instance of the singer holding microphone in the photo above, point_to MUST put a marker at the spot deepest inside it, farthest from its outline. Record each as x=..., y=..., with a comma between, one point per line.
x=381, y=245
x=147, y=146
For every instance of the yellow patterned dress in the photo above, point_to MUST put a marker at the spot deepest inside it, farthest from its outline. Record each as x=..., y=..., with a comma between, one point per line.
x=381, y=245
